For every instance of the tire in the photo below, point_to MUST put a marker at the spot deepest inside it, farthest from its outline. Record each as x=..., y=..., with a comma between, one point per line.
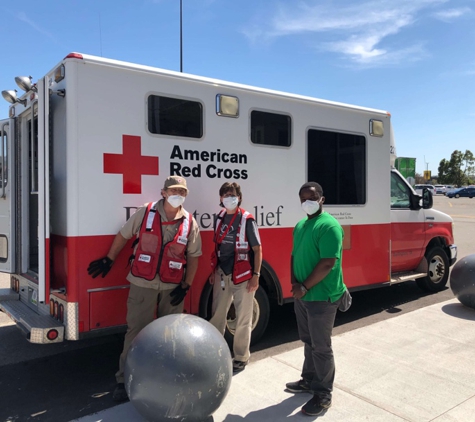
x=438, y=272
x=260, y=318
x=457, y=195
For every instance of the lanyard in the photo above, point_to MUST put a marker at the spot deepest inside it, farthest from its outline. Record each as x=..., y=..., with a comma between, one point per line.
x=219, y=239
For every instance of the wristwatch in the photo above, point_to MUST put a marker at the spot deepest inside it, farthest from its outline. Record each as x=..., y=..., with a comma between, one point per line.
x=256, y=273
x=303, y=288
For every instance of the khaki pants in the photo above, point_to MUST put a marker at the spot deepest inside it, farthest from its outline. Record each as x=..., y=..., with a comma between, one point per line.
x=142, y=304
x=243, y=303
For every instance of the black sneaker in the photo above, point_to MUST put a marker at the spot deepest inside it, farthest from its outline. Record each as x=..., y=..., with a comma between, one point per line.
x=119, y=393
x=238, y=366
x=300, y=386
x=316, y=406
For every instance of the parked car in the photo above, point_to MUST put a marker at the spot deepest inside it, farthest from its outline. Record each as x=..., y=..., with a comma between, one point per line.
x=449, y=188
x=420, y=187
x=440, y=189
x=461, y=192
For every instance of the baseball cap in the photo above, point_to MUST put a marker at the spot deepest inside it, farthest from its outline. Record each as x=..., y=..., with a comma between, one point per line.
x=175, y=182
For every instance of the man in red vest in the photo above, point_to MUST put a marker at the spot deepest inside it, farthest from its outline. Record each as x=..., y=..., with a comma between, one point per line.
x=168, y=240
x=237, y=262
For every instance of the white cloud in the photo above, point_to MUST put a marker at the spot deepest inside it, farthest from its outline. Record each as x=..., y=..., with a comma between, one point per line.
x=362, y=31
x=22, y=17
x=449, y=15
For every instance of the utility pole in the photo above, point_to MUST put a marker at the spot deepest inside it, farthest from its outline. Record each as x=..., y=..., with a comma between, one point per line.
x=426, y=173
x=181, y=35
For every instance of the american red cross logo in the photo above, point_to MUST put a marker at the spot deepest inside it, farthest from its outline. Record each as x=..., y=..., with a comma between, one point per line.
x=131, y=164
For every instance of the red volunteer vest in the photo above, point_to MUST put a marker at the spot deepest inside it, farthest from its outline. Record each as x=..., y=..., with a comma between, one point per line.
x=152, y=257
x=242, y=270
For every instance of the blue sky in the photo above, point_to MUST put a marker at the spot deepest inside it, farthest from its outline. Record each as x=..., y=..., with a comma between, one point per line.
x=413, y=58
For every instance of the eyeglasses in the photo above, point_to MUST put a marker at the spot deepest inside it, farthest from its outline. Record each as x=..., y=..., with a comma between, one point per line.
x=177, y=191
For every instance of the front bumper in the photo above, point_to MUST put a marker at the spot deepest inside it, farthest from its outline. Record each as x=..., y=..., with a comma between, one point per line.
x=452, y=254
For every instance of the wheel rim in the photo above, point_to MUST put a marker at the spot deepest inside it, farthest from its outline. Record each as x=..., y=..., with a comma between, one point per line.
x=436, y=269
x=232, y=320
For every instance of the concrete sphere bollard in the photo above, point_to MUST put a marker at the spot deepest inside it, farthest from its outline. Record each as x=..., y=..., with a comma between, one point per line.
x=462, y=280
x=178, y=368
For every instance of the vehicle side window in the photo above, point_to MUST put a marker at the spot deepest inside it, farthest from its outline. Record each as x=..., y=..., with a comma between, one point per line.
x=338, y=162
x=400, y=193
x=270, y=128
x=175, y=117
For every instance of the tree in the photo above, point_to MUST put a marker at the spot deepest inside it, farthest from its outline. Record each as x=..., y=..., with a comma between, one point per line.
x=420, y=179
x=458, y=170
x=443, y=171
x=469, y=167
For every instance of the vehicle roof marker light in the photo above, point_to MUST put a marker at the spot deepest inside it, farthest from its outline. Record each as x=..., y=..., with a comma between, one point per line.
x=74, y=56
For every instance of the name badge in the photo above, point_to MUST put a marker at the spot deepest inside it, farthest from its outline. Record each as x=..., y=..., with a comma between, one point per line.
x=175, y=265
x=144, y=258
x=182, y=240
x=241, y=245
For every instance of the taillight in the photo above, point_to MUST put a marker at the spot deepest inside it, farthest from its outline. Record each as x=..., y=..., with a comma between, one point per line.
x=52, y=334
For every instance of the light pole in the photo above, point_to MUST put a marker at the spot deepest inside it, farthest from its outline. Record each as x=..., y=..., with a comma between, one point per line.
x=181, y=35
x=426, y=176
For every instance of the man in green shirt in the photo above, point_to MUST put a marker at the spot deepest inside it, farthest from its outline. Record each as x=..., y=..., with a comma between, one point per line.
x=318, y=291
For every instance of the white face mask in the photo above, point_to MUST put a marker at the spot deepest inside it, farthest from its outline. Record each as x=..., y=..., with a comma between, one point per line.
x=231, y=202
x=310, y=207
x=176, y=200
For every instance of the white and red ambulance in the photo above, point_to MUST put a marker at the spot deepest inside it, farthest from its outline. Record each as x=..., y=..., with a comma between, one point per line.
x=94, y=139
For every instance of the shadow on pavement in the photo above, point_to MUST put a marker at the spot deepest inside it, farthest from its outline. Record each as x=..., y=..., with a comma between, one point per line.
x=459, y=311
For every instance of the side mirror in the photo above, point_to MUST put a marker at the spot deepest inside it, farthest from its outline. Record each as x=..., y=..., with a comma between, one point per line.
x=427, y=199
x=416, y=202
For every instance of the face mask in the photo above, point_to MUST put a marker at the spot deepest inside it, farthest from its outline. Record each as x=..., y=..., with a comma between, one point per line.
x=231, y=202
x=176, y=200
x=310, y=207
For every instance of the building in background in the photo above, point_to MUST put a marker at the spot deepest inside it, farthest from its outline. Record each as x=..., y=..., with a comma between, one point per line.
x=407, y=167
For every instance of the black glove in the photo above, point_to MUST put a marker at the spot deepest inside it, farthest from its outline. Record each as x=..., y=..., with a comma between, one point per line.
x=100, y=266
x=178, y=294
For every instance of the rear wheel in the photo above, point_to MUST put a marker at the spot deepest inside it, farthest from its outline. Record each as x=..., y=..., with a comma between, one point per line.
x=260, y=318
x=457, y=195
x=438, y=272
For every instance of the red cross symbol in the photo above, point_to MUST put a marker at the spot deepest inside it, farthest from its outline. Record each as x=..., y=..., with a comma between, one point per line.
x=131, y=164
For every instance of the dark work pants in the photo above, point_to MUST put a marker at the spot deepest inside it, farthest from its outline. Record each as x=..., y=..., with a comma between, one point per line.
x=315, y=324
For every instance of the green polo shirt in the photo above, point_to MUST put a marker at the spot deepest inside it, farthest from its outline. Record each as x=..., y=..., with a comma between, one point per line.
x=314, y=239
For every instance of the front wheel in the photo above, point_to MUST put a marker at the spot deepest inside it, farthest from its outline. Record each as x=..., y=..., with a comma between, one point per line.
x=438, y=272
x=457, y=196
x=260, y=318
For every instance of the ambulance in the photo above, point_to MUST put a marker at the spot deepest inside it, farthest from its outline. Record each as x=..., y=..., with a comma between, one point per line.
x=94, y=139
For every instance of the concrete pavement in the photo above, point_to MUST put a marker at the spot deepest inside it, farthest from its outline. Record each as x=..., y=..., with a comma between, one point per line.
x=417, y=367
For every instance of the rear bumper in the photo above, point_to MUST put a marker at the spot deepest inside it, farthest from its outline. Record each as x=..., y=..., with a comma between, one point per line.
x=41, y=329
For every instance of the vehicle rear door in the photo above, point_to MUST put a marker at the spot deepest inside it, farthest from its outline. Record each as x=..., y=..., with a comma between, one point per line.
x=7, y=197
